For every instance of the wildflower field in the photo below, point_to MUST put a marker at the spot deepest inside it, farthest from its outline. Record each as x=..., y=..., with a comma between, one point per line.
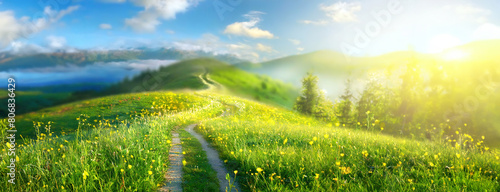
x=121, y=143
x=122, y=153
x=278, y=150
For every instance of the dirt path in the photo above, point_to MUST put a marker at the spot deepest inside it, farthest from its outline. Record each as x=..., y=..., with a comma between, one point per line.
x=209, y=85
x=214, y=160
x=174, y=175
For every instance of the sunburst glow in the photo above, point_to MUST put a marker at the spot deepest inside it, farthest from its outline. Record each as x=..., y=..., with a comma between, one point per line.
x=454, y=55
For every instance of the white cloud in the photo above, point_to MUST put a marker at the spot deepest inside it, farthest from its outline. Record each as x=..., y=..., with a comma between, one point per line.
x=255, y=55
x=319, y=22
x=140, y=65
x=56, y=42
x=238, y=46
x=105, y=26
x=248, y=28
x=208, y=43
x=300, y=49
x=143, y=22
x=264, y=48
x=55, y=16
x=12, y=32
x=154, y=10
x=341, y=12
x=24, y=27
x=294, y=41
x=486, y=31
x=52, y=44
x=211, y=43
x=21, y=48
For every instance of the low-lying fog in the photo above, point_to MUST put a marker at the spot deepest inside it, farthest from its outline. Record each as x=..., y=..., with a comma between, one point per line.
x=109, y=72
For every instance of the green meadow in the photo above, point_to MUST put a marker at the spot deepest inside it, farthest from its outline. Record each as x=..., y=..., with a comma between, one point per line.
x=270, y=149
x=270, y=135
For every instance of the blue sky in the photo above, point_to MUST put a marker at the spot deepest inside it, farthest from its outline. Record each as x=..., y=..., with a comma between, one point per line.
x=253, y=29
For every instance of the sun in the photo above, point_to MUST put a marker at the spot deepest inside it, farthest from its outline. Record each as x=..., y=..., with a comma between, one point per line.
x=454, y=55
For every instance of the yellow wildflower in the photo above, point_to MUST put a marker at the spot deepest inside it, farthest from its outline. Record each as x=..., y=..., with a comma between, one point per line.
x=85, y=174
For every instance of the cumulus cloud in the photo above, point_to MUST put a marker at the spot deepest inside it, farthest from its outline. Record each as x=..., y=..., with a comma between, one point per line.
x=264, y=48
x=211, y=43
x=486, y=31
x=319, y=22
x=24, y=26
x=155, y=10
x=56, y=42
x=341, y=12
x=22, y=48
x=208, y=43
x=249, y=28
x=55, y=16
x=105, y=26
x=300, y=49
x=238, y=46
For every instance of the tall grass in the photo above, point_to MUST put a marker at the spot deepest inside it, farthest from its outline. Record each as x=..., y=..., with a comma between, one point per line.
x=125, y=156
x=271, y=148
x=278, y=150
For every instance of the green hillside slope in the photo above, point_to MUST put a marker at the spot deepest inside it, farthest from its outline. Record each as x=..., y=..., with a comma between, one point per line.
x=187, y=74
x=272, y=149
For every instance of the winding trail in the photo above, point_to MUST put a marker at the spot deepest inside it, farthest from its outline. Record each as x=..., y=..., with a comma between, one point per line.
x=174, y=174
x=214, y=160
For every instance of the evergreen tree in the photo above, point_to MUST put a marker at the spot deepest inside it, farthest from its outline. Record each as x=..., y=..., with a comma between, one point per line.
x=344, y=113
x=309, y=96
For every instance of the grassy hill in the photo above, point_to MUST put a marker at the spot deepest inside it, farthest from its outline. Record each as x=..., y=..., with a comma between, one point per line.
x=189, y=74
x=185, y=75
x=424, y=94
x=334, y=65
x=32, y=101
x=272, y=149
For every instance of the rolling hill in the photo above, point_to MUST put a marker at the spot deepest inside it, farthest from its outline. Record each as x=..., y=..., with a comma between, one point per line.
x=122, y=142
x=183, y=75
x=186, y=75
x=334, y=67
x=458, y=87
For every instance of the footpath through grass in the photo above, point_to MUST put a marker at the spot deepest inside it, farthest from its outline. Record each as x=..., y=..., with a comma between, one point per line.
x=198, y=174
x=129, y=155
x=271, y=149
